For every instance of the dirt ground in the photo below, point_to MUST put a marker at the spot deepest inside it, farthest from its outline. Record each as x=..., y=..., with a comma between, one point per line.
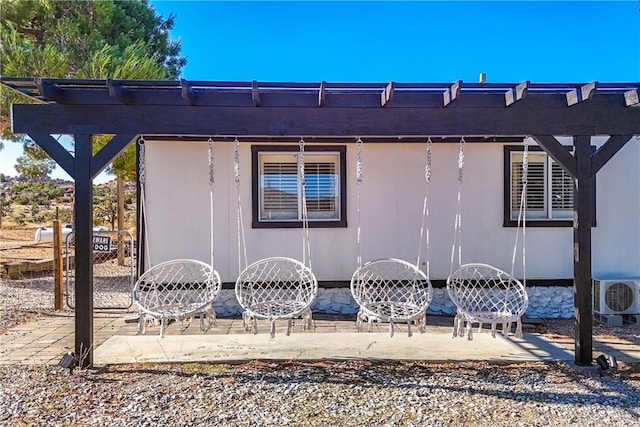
x=18, y=244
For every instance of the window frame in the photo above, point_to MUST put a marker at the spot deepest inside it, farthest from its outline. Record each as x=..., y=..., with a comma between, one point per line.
x=537, y=222
x=341, y=151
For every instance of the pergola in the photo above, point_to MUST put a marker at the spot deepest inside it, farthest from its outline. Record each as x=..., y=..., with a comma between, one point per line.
x=384, y=112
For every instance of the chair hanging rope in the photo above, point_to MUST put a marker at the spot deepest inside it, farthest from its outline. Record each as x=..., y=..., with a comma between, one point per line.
x=177, y=289
x=142, y=220
x=424, y=228
x=457, y=226
x=211, y=204
x=358, y=182
x=522, y=217
x=391, y=290
x=306, y=242
x=242, y=243
x=276, y=287
x=483, y=293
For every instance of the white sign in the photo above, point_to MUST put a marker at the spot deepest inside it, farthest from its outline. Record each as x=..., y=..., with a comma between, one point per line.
x=102, y=243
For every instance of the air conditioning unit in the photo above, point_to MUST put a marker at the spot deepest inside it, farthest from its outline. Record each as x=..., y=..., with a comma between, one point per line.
x=616, y=296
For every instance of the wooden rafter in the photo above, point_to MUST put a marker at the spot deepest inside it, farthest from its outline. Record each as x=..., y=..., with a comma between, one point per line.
x=187, y=92
x=516, y=93
x=321, y=93
x=452, y=93
x=119, y=92
x=632, y=98
x=49, y=91
x=387, y=94
x=581, y=94
x=255, y=93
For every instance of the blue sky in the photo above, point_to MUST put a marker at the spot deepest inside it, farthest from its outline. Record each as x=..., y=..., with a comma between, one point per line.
x=543, y=41
x=415, y=41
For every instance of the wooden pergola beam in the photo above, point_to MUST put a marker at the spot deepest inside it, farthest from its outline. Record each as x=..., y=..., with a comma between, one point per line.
x=535, y=115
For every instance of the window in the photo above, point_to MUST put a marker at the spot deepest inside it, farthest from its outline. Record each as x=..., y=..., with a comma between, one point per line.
x=549, y=189
x=277, y=193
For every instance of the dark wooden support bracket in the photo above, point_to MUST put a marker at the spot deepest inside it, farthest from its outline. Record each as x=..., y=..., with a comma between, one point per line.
x=83, y=231
x=55, y=150
x=387, y=94
x=516, y=93
x=581, y=94
x=110, y=151
x=255, y=93
x=117, y=91
x=187, y=92
x=558, y=152
x=452, y=93
x=582, y=252
x=49, y=91
x=632, y=98
x=607, y=151
x=321, y=93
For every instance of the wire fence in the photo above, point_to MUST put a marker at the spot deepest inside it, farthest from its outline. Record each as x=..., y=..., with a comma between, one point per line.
x=113, y=269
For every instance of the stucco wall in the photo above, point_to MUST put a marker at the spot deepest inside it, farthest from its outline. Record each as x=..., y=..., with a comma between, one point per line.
x=177, y=203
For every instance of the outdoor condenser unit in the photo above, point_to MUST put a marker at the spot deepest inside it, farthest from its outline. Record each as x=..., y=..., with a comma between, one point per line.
x=616, y=296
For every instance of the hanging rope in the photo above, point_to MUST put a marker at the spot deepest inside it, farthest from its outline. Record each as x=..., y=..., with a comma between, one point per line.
x=458, y=221
x=522, y=216
x=424, y=229
x=306, y=243
x=143, y=206
x=211, y=182
x=242, y=243
x=359, y=144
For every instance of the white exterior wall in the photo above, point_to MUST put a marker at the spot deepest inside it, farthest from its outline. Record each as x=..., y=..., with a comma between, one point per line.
x=177, y=202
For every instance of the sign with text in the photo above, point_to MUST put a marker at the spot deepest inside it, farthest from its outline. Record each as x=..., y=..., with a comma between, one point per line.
x=102, y=243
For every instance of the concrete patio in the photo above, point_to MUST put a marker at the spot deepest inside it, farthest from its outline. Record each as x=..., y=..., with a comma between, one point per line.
x=45, y=339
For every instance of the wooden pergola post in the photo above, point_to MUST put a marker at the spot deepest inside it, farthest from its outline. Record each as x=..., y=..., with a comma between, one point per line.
x=582, y=219
x=83, y=250
x=83, y=167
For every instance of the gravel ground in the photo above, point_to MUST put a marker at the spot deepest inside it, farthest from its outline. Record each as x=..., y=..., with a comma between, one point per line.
x=356, y=393
x=359, y=393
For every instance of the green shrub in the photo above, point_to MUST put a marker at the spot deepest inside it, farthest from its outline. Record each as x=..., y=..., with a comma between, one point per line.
x=18, y=219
